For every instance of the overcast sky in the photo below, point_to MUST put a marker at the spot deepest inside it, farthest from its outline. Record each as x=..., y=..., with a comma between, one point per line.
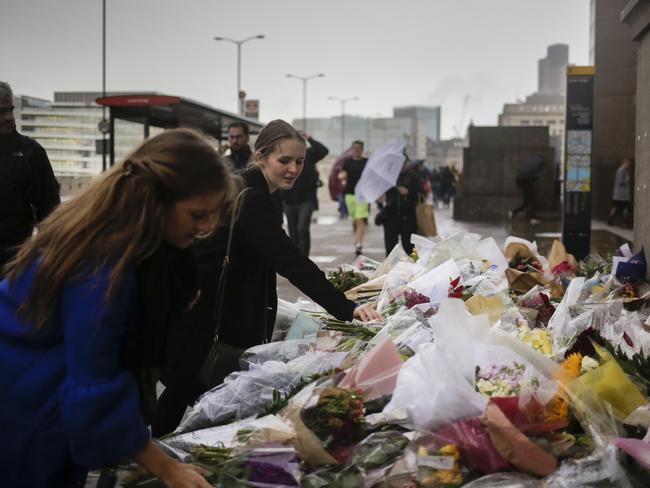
x=386, y=52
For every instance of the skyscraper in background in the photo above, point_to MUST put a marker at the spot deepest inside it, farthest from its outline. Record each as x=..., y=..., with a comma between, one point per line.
x=428, y=116
x=551, y=76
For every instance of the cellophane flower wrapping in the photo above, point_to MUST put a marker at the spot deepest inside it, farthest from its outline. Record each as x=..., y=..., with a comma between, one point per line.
x=247, y=393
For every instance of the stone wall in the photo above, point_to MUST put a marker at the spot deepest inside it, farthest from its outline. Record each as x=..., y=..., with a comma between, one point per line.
x=637, y=15
x=487, y=188
x=614, y=110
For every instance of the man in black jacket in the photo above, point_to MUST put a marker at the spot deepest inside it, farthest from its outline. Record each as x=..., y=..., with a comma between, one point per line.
x=240, y=152
x=301, y=201
x=398, y=212
x=28, y=189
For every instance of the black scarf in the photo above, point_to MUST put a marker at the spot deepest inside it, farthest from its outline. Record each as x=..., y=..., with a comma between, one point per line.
x=167, y=286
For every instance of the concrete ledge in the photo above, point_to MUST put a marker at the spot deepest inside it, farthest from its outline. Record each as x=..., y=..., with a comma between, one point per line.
x=637, y=15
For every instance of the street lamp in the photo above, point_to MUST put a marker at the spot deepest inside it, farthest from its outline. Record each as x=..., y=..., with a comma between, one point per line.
x=343, y=101
x=240, y=98
x=305, y=79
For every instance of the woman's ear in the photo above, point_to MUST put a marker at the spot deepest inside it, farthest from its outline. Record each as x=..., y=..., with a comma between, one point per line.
x=260, y=159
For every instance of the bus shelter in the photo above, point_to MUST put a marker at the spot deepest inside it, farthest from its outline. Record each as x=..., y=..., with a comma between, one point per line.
x=135, y=117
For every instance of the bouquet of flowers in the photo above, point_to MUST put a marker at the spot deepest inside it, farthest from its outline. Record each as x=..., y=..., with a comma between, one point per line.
x=337, y=420
x=407, y=298
x=501, y=380
x=346, y=279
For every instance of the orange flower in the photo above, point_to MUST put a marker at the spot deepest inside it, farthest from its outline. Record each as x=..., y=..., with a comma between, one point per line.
x=555, y=410
x=570, y=367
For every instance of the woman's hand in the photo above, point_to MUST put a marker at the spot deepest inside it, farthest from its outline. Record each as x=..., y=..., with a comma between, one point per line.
x=180, y=475
x=173, y=473
x=365, y=313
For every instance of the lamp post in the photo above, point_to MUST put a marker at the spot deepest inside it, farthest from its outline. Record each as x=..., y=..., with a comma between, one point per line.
x=343, y=101
x=103, y=121
x=304, y=80
x=240, y=98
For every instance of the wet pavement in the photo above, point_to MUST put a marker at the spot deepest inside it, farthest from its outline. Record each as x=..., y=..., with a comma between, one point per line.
x=333, y=241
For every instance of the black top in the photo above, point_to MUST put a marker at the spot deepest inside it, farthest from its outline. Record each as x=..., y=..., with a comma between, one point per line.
x=260, y=248
x=404, y=205
x=305, y=187
x=28, y=190
x=239, y=160
x=353, y=168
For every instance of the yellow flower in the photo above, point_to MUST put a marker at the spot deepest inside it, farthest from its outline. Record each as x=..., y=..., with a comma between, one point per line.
x=555, y=410
x=539, y=340
x=571, y=367
x=450, y=450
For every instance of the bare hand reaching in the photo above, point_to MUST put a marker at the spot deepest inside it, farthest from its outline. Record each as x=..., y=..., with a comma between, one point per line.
x=366, y=312
x=181, y=475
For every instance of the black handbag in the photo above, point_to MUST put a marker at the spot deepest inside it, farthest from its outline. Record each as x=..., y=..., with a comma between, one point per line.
x=223, y=358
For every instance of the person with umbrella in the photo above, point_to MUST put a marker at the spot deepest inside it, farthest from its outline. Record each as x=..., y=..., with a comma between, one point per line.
x=398, y=215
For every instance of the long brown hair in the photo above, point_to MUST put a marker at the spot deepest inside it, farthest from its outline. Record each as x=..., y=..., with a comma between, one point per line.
x=119, y=219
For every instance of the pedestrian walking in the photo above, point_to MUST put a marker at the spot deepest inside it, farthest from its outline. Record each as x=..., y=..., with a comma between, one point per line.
x=84, y=312
x=436, y=186
x=447, y=186
x=259, y=249
x=351, y=170
x=527, y=176
x=621, y=192
x=28, y=189
x=336, y=182
x=397, y=214
x=301, y=201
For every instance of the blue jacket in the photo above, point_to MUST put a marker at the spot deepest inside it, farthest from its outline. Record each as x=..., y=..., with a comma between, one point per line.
x=67, y=403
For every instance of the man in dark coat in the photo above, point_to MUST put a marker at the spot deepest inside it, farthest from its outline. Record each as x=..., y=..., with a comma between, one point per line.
x=240, y=152
x=301, y=201
x=28, y=189
x=527, y=176
x=398, y=212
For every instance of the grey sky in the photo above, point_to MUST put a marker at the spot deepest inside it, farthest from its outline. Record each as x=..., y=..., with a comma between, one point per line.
x=386, y=52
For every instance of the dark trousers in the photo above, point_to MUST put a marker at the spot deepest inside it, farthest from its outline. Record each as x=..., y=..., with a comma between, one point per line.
x=397, y=227
x=528, y=191
x=299, y=220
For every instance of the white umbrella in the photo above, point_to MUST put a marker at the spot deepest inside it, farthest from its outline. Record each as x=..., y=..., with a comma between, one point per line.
x=381, y=172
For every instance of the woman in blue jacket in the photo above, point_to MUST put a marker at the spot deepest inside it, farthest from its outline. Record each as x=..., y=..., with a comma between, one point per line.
x=84, y=311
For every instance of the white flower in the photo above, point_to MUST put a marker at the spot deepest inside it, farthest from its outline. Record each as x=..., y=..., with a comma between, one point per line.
x=588, y=364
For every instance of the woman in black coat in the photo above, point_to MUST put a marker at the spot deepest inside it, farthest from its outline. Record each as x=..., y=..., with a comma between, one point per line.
x=260, y=249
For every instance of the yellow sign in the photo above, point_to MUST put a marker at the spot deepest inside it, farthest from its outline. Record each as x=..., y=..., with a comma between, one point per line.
x=580, y=70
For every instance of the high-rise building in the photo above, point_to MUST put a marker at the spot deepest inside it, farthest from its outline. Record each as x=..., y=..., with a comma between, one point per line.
x=552, y=70
x=428, y=116
x=546, y=106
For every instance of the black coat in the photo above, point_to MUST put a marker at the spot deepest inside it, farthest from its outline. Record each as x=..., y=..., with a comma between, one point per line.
x=306, y=186
x=260, y=248
x=239, y=160
x=403, y=206
x=28, y=190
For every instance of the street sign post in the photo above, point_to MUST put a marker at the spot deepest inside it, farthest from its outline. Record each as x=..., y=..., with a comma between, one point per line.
x=576, y=221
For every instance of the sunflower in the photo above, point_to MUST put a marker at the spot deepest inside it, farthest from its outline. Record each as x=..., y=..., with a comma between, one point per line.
x=571, y=367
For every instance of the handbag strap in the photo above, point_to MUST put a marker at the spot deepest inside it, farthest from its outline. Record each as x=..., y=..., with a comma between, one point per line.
x=221, y=287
